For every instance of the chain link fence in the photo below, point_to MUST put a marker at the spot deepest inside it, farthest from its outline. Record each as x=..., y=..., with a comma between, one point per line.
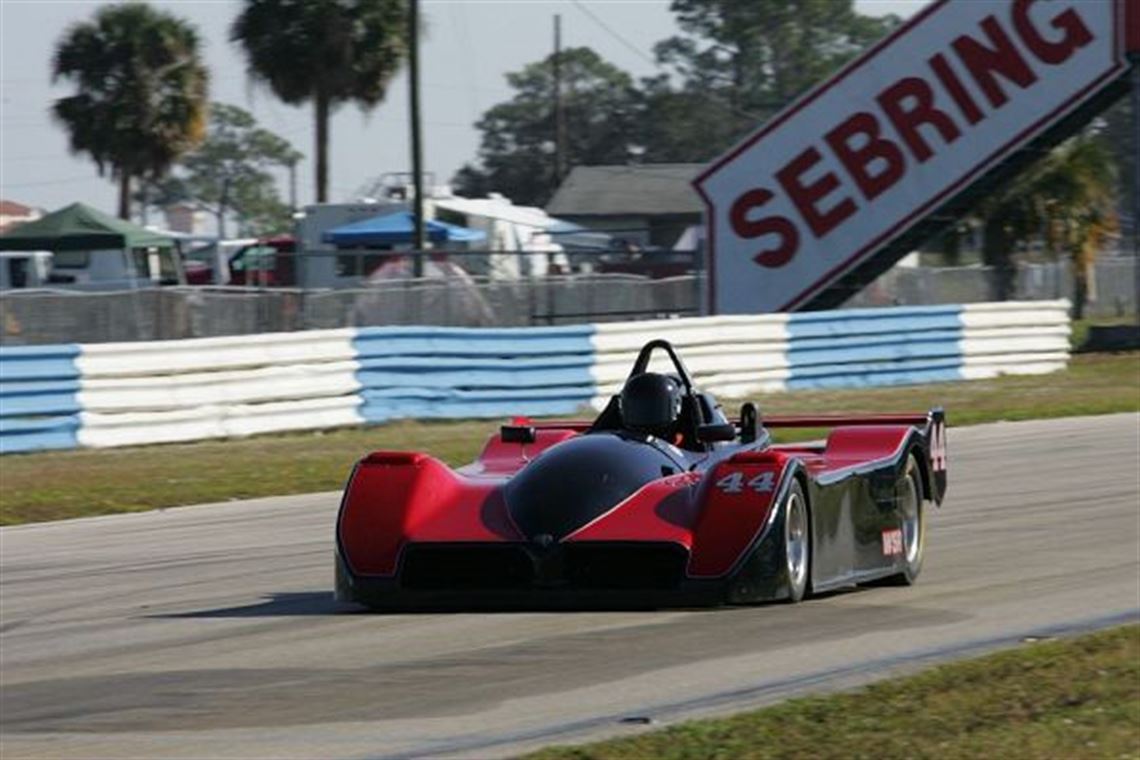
x=1112, y=290
x=58, y=316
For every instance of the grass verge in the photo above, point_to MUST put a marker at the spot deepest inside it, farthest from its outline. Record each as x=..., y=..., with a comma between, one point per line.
x=1073, y=698
x=57, y=485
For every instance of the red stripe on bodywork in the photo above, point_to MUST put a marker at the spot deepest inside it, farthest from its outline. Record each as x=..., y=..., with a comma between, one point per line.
x=847, y=446
x=663, y=510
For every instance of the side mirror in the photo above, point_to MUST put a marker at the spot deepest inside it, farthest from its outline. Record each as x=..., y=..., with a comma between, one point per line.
x=724, y=431
x=518, y=434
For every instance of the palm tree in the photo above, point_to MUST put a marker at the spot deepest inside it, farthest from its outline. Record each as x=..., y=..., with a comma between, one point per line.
x=1067, y=200
x=141, y=97
x=325, y=51
x=1077, y=191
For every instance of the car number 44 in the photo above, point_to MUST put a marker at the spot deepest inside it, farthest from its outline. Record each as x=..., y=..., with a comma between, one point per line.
x=734, y=483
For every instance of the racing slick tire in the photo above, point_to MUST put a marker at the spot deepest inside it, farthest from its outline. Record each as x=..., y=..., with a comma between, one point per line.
x=797, y=542
x=912, y=509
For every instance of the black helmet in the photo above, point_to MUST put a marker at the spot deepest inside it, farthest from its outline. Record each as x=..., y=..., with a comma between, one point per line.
x=650, y=403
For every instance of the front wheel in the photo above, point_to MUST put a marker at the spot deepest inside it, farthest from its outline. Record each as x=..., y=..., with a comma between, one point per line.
x=797, y=542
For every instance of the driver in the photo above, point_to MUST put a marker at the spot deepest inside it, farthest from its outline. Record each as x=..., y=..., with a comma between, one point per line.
x=650, y=403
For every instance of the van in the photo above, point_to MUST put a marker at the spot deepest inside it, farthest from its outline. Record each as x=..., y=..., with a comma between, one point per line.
x=24, y=269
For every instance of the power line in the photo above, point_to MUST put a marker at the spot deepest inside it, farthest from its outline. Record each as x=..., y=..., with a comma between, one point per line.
x=614, y=33
x=50, y=182
x=657, y=64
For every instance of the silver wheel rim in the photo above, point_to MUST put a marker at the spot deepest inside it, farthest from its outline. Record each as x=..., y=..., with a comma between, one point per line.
x=797, y=541
x=909, y=507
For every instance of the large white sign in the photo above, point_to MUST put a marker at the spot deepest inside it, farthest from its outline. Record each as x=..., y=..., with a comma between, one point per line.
x=866, y=154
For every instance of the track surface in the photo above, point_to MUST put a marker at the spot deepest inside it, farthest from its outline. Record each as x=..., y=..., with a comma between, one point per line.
x=210, y=631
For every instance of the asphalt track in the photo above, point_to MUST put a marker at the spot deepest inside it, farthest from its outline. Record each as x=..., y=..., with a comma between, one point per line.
x=210, y=631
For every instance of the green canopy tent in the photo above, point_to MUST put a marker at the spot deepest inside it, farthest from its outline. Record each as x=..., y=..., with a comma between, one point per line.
x=79, y=227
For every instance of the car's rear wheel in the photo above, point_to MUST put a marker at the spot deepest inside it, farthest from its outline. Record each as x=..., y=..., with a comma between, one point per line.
x=797, y=542
x=912, y=522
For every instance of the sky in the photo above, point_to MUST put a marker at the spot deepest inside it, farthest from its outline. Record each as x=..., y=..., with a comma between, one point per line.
x=469, y=46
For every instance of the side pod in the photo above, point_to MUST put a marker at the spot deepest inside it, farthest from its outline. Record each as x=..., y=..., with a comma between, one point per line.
x=739, y=534
x=384, y=489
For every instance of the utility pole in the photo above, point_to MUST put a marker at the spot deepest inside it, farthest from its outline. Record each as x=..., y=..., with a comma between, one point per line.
x=1136, y=178
x=418, y=241
x=559, y=112
x=293, y=186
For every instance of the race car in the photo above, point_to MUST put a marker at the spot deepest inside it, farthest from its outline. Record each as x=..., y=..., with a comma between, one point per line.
x=659, y=501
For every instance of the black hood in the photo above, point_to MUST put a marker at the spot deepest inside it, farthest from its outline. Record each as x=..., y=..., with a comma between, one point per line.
x=575, y=481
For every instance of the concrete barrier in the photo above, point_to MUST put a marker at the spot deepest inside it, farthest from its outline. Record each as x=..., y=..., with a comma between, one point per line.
x=442, y=372
x=136, y=393
x=39, y=405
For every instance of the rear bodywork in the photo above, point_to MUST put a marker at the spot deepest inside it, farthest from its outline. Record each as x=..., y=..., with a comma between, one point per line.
x=569, y=515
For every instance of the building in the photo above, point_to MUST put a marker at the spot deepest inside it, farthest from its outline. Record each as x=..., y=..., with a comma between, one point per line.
x=185, y=218
x=12, y=214
x=647, y=204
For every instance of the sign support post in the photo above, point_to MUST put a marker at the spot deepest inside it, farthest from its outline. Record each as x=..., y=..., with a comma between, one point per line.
x=1135, y=58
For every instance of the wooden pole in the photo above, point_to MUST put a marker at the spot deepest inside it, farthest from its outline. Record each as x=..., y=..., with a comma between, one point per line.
x=559, y=111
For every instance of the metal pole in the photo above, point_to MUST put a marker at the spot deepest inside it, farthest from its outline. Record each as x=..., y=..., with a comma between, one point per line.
x=293, y=187
x=559, y=112
x=418, y=242
x=1136, y=179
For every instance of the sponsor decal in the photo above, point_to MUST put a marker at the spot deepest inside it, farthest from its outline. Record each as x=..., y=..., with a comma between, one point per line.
x=892, y=542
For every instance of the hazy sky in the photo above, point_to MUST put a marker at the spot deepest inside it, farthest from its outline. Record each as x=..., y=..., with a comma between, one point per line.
x=470, y=45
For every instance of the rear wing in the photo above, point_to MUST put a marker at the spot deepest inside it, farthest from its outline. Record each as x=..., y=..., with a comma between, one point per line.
x=840, y=420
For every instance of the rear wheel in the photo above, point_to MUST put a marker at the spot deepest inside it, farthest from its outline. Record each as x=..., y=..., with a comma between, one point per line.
x=912, y=519
x=797, y=542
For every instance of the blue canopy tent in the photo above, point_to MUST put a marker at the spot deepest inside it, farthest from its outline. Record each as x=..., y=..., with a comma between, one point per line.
x=398, y=229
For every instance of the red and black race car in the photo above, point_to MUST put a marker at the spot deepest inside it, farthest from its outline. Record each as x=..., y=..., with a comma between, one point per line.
x=660, y=501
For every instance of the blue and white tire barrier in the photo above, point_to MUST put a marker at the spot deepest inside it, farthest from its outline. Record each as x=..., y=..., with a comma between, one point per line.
x=39, y=404
x=118, y=394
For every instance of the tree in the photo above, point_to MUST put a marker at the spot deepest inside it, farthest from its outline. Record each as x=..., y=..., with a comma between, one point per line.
x=1119, y=137
x=1078, y=207
x=229, y=172
x=327, y=52
x=1066, y=201
x=142, y=91
x=516, y=155
x=737, y=63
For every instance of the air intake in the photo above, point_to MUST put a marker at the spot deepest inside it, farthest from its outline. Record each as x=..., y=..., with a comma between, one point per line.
x=433, y=566
x=625, y=566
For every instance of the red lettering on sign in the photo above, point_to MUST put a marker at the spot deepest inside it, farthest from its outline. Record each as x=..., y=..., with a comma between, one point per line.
x=1076, y=34
x=1003, y=58
x=1132, y=26
x=909, y=103
x=875, y=149
x=958, y=91
x=769, y=225
x=807, y=197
